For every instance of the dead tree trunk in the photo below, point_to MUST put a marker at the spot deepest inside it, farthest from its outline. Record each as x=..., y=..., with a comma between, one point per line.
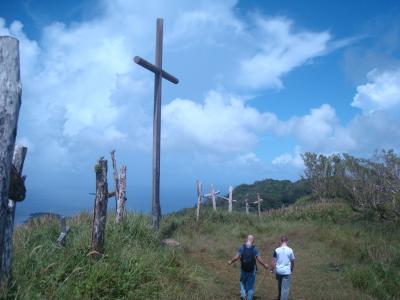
x=121, y=195
x=100, y=207
x=116, y=180
x=10, y=102
x=199, y=198
x=230, y=199
x=247, y=206
x=18, y=162
x=214, y=203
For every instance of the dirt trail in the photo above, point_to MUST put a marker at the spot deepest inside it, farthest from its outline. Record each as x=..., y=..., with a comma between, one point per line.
x=318, y=274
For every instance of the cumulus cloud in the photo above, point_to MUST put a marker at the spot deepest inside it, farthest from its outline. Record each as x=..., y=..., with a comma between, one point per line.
x=320, y=130
x=375, y=126
x=290, y=159
x=382, y=92
x=223, y=122
x=281, y=49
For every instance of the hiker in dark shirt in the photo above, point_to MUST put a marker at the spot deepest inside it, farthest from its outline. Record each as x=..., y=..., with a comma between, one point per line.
x=248, y=254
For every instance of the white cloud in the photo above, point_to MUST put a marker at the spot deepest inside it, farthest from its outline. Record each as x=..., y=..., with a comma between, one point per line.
x=281, y=49
x=290, y=160
x=247, y=159
x=382, y=92
x=223, y=123
x=320, y=130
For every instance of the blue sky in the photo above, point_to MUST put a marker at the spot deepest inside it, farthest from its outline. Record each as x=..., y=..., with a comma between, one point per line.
x=260, y=83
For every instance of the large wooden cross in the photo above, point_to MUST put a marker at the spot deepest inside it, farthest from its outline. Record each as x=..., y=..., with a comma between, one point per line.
x=159, y=74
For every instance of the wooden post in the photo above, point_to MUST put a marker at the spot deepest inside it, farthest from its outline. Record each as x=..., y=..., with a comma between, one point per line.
x=159, y=74
x=199, y=198
x=156, y=206
x=18, y=162
x=214, y=203
x=230, y=199
x=100, y=207
x=64, y=229
x=10, y=102
x=247, y=205
x=121, y=195
x=116, y=179
x=259, y=200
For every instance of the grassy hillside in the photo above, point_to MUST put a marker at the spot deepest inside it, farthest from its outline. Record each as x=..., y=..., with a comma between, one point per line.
x=339, y=256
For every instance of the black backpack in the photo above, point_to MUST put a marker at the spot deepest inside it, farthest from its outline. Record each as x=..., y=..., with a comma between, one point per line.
x=248, y=259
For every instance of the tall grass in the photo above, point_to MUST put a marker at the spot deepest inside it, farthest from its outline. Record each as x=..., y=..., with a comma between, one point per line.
x=341, y=255
x=134, y=264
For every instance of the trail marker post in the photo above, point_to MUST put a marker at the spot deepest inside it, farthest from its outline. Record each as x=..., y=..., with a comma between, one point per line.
x=159, y=74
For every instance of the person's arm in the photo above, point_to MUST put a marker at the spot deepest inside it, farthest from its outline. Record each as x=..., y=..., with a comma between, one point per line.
x=292, y=265
x=261, y=261
x=273, y=262
x=291, y=262
x=234, y=259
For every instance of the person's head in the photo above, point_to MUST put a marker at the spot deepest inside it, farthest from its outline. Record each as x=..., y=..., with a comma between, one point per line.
x=250, y=240
x=284, y=239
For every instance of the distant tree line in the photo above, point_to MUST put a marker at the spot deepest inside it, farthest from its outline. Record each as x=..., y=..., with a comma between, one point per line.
x=369, y=185
x=275, y=193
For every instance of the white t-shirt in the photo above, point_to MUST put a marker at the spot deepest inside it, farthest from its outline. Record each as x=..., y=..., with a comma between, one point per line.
x=283, y=255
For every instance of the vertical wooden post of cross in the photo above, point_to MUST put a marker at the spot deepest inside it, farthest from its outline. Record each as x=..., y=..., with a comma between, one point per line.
x=214, y=203
x=159, y=74
x=199, y=198
x=10, y=102
x=259, y=200
x=100, y=208
x=230, y=199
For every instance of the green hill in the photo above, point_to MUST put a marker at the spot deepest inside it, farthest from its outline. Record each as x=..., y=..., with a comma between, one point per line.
x=275, y=193
x=339, y=255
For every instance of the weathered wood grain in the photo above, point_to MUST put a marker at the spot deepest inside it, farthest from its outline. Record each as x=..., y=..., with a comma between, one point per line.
x=121, y=195
x=116, y=179
x=159, y=73
x=230, y=199
x=18, y=165
x=64, y=229
x=214, y=203
x=100, y=206
x=10, y=102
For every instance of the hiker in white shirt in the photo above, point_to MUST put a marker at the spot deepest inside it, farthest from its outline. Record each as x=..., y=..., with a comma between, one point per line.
x=283, y=264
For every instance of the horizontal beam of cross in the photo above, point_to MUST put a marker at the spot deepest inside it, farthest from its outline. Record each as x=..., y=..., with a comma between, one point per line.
x=149, y=66
x=226, y=198
x=209, y=195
